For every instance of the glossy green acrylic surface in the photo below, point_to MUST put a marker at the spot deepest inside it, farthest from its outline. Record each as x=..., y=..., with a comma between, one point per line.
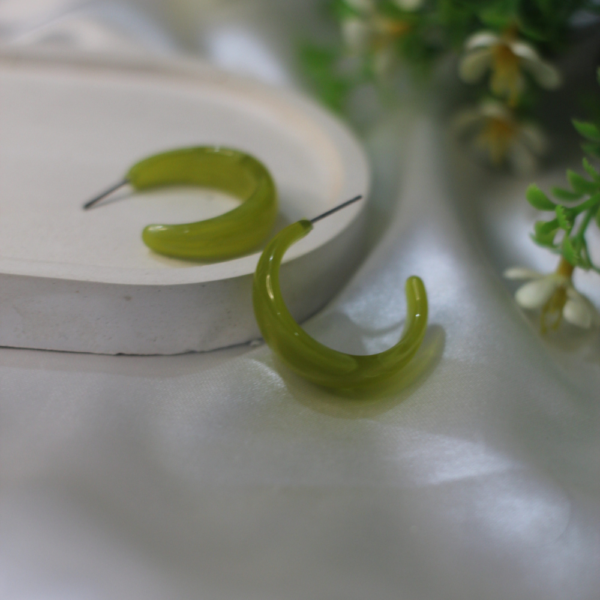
x=232, y=234
x=308, y=357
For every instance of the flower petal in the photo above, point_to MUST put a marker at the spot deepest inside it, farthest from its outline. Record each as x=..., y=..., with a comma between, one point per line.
x=578, y=297
x=524, y=50
x=474, y=64
x=545, y=74
x=522, y=273
x=573, y=294
x=356, y=34
x=496, y=110
x=578, y=311
x=536, y=293
x=482, y=39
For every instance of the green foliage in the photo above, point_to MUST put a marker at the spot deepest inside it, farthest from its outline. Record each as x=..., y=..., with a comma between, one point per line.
x=591, y=133
x=343, y=10
x=320, y=67
x=546, y=20
x=591, y=149
x=499, y=15
x=590, y=170
x=587, y=130
x=538, y=199
x=565, y=218
x=581, y=185
x=545, y=232
x=432, y=31
x=566, y=195
x=590, y=130
x=455, y=21
x=573, y=219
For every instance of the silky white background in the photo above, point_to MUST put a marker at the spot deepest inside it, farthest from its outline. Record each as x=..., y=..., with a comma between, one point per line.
x=224, y=476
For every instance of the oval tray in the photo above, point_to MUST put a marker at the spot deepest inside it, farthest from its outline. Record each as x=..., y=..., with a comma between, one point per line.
x=83, y=280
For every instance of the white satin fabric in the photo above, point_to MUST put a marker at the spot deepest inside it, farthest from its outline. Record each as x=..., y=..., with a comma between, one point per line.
x=224, y=476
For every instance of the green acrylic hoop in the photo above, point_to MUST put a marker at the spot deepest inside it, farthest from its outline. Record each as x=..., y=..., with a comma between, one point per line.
x=232, y=234
x=308, y=357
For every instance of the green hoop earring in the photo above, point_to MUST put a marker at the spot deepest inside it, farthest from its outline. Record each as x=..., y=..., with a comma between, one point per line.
x=232, y=234
x=308, y=357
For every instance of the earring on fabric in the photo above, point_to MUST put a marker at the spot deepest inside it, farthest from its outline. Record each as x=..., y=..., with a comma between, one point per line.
x=308, y=357
x=232, y=234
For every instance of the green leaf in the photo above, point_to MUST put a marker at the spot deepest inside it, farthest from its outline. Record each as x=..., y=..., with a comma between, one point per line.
x=545, y=232
x=343, y=10
x=584, y=253
x=591, y=149
x=590, y=170
x=319, y=66
x=498, y=16
x=564, y=218
x=317, y=58
x=588, y=204
x=587, y=130
x=580, y=184
x=538, y=199
x=569, y=252
x=566, y=195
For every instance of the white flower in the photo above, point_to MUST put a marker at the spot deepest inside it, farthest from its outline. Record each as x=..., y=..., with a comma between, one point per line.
x=357, y=34
x=494, y=130
x=507, y=57
x=555, y=295
x=372, y=34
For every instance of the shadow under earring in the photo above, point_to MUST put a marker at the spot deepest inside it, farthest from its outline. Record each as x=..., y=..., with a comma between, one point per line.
x=229, y=235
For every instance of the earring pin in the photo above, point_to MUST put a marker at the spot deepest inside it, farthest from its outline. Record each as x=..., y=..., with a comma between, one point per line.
x=335, y=209
x=105, y=193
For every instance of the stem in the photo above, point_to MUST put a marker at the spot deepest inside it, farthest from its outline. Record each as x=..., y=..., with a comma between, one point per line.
x=589, y=215
x=553, y=309
x=565, y=268
x=579, y=238
x=512, y=31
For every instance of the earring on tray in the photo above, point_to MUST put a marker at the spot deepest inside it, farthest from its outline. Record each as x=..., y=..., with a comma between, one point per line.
x=232, y=234
x=308, y=357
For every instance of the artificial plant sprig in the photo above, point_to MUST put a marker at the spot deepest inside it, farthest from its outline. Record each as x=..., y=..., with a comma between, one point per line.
x=512, y=41
x=509, y=59
x=591, y=133
x=494, y=130
x=512, y=63
x=570, y=218
x=574, y=211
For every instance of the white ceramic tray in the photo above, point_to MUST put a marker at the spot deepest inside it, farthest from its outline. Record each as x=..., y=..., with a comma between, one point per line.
x=83, y=281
